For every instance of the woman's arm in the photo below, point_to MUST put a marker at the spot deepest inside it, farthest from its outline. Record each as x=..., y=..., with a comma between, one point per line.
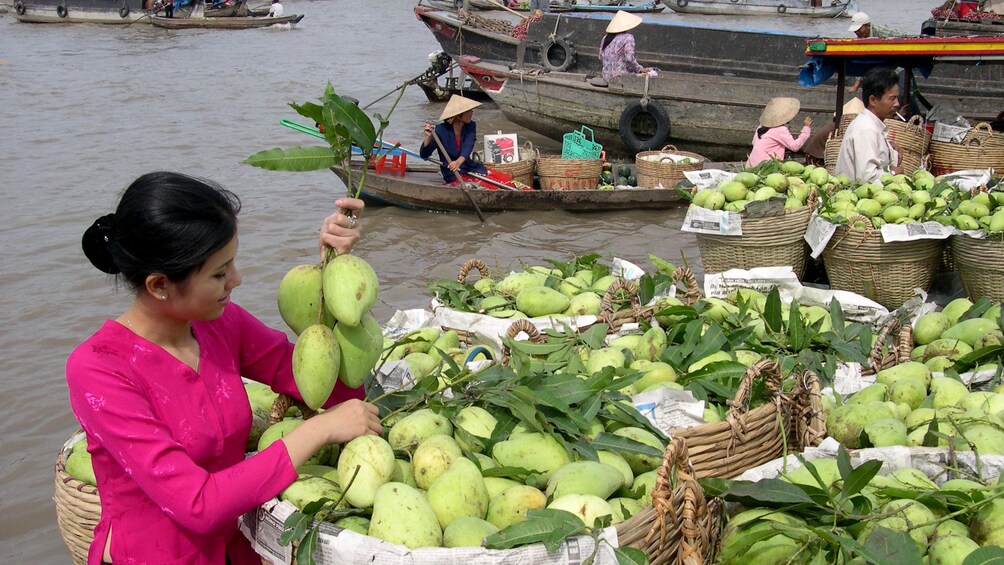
x=629, y=57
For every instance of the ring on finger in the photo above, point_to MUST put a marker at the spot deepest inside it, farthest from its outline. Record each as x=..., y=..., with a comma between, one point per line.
x=351, y=223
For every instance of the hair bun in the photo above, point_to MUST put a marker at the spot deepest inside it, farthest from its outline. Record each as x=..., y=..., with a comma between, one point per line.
x=95, y=244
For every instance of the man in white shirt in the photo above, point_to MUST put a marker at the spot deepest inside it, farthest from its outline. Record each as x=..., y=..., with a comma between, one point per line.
x=865, y=152
x=276, y=10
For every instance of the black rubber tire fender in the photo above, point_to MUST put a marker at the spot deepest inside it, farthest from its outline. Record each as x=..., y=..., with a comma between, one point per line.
x=781, y=8
x=682, y=3
x=19, y=8
x=124, y=12
x=631, y=138
x=61, y=11
x=563, y=52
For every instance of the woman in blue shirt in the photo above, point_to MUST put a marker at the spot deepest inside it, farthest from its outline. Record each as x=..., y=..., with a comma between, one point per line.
x=458, y=133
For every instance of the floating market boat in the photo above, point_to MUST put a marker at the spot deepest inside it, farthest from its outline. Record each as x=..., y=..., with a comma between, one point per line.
x=78, y=11
x=234, y=22
x=649, y=7
x=962, y=28
x=806, y=8
x=421, y=188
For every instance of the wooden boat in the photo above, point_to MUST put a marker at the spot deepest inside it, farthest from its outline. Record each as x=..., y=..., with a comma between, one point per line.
x=961, y=28
x=79, y=11
x=649, y=8
x=421, y=188
x=233, y=22
x=807, y=8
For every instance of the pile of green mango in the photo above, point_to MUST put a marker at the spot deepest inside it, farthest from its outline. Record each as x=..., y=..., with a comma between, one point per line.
x=980, y=211
x=328, y=307
x=793, y=181
x=901, y=517
x=425, y=351
x=895, y=199
x=909, y=405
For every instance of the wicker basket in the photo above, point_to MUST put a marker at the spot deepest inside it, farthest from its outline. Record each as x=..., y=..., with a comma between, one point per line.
x=831, y=152
x=982, y=148
x=568, y=174
x=666, y=172
x=766, y=242
x=912, y=140
x=859, y=261
x=681, y=526
x=981, y=265
x=78, y=510
x=747, y=438
x=522, y=170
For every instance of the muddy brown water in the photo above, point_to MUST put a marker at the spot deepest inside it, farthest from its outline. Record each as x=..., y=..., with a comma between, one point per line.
x=85, y=109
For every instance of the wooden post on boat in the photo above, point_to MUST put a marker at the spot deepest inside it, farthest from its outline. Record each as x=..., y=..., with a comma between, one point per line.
x=460, y=178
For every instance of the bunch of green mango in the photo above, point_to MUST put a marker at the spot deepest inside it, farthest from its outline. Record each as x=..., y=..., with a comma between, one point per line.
x=903, y=516
x=895, y=199
x=425, y=351
x=328, y=307
x=78, y=463
x=792, y=181
x=980, y=211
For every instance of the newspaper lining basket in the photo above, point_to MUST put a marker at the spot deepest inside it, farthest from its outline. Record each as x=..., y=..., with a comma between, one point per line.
x=859, y=261
x=522, y=170
x=912, y=139
x=78, y=509
x=981, y=265
x=568, y=174
x=769, y=241
x=665, y=172
x=790, y=421
x=982, y=148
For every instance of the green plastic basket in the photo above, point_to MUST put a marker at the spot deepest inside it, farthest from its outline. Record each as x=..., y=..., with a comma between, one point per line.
x=575, y=145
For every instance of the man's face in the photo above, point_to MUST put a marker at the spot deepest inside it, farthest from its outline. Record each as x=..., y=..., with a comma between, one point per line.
x=864, y=31
x=886, y=106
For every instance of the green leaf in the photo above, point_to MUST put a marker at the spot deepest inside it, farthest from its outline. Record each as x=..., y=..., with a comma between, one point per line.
x=663, y=266
x=294, y=159
x=859, y=478
x=358, y=124
x=594, y=337
x=609, y=442
x=632, y=556
x=772, y=311
x=844, y=463
x=714, y=486
x=767, y=491
x=745, y=540
x=294, y=527
x=548, y=529
x=305, y=551
x=891, y=548
x=990, y=555
x=712, y=341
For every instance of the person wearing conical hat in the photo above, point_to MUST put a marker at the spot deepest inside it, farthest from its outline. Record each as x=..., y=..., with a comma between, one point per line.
x=617, y=46
x=772, y=136
x=458, y=133
x=815, y=148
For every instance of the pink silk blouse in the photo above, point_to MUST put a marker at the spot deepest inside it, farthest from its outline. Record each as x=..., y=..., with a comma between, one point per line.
x=774, y=142
x=167, y=442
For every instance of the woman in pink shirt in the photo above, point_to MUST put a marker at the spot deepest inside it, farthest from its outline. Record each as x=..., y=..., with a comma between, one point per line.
x=158, y=389
x=772, y=136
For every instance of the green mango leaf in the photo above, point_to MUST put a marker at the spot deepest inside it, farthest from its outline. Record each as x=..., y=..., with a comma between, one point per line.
x=977, y=309
x=609, y=442
x=799, y=336
x=744, y=541
x=594, y=336
x=990, y=555
x=844, y=463
x=585, y=448
x=295, y=527
x=568, y=389
x=714, y=486
x=891, y=548
x=309, y=110
x=630, y=556
x=507, y=472
x=663, y=266
x=859, y=477
x=305, y=551
x=294, y=159
x=358, y=124
x=837, y=317
x=772, y=311
x=549, y=529
x=591, y=407
x=766, y=491
x=712, y=341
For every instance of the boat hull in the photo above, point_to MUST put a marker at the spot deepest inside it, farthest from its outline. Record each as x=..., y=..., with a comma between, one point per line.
x=113, y=12
x=757, y=8
x=234, y=22
x=419, y=190
x=962, y=28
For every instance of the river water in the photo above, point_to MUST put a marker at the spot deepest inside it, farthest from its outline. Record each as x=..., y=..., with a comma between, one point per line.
x=86, y=109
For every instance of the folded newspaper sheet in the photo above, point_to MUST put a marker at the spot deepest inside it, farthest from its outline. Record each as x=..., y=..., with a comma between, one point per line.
x=708, y=178
x=968, y=179
x=335, y=545
x=937, y=463
x=713, y=222
x=854, y=306
x=820, y=231
x=669, y=409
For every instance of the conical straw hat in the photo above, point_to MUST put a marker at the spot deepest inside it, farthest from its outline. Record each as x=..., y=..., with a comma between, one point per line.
x=854, y=106
x=779, y=111
x=623, y=21
x=458, y=105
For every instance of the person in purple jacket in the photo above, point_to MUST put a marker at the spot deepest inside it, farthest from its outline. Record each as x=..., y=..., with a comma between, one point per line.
x=158, y=389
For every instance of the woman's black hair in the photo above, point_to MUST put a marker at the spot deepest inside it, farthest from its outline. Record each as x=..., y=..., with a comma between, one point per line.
x=166, y=223
x=762, y=130
x=607, y=39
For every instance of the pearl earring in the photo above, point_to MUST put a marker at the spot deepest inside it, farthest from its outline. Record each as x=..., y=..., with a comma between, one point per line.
x=163, y=297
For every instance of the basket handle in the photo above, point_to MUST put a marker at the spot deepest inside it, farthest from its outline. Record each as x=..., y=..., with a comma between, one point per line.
x=525, y=326
x=875, y=358
x=630, y=287
x=583, y=130
x=692, y=293
x=810, y=422
x=675, y=468
x=282, y=403
x=767, y=369
x=472, y=264
x=669, y=148
x=983, y=129
x=812, y=200
x=916, y=121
